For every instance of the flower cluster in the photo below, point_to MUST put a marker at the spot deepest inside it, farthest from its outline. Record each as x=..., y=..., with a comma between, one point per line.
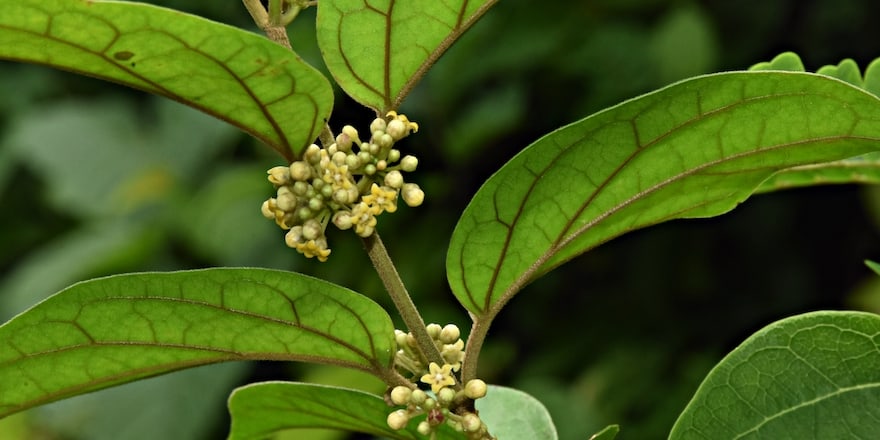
x=348, y=183
x=443, y=404
x=448, y=341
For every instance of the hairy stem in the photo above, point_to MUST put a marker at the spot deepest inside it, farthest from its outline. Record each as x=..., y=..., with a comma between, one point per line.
x=472, y=349
x=394, y=285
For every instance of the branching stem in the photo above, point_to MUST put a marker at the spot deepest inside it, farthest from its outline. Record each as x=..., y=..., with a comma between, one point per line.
x=271, y=22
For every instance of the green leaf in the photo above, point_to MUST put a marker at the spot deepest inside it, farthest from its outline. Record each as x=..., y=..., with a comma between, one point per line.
x=262, y=410
x=812, y=376
x=787, y=61
x=863, y=169
x=512, y=414
x=607, y=433
x=694, y=149
x=378, y=51
x=235, y=75
x=112, y=330
x=847, y=70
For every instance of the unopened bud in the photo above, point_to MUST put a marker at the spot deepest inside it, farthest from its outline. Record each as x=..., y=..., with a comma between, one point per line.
x=378, y=124
x=409, y=163
x=400, y=395
x=398, y=419
x=394, y=179
x=471, y=422
x=450, y=334
x=412, y=195
x=397, y=129
x=300, y=171
x=433, y=330
x=475, y=389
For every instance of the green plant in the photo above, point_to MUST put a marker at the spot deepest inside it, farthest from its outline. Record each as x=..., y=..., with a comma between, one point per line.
x=694, y=149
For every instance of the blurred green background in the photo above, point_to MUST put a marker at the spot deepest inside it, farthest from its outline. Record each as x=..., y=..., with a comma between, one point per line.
x=96, y=179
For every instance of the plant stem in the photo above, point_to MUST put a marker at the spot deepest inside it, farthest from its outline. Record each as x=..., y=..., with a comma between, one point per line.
x=273, y=28
x=472, y=349
x=396, y=289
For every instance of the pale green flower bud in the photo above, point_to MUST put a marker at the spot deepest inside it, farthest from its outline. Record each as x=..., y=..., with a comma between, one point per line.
x=398, y=419
x=300, y=171
x=449, y=334
x=393, y=155
x=394, y=179
x=312, y=229
x=370, y=169
x=374, y=149
x=433, y=330
x=365, y=156
x=352, y=134
x=475, y=389
x=397, y=129
x=399, y=336
x=378, y=124
x=381, y=165
x=342, y=220
x=418, y=397
x=316, y=204
x=409, y=163
x=384, y=141
x=424, y=428
x=471, y=422
x=313, y=154
x=412, y=195
x=353, y=161
x=339, y=158
x=445, y=396
x=327, y=191
x=301, y=188
x=343, y=142
x=304, y=213
x=400, y=395
x=286, y=200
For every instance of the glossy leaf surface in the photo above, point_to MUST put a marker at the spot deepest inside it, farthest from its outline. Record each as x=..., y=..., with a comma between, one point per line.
x=812, y=376
x=113, y=330
x=265, y=409
x=694, y=149
x=235, y=75
x=378, y=50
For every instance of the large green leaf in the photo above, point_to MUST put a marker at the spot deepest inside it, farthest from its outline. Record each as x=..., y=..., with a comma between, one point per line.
x=262, y=410
x=378, y=50
x=694, y=149
x=811, y=376
x=235, y=75
x=117, y=329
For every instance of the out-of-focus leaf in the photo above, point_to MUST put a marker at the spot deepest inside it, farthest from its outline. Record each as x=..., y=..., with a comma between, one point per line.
x=232, y=74
x=606, y=434
x=812, y=376
x=181, y=405
x=113, y=330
